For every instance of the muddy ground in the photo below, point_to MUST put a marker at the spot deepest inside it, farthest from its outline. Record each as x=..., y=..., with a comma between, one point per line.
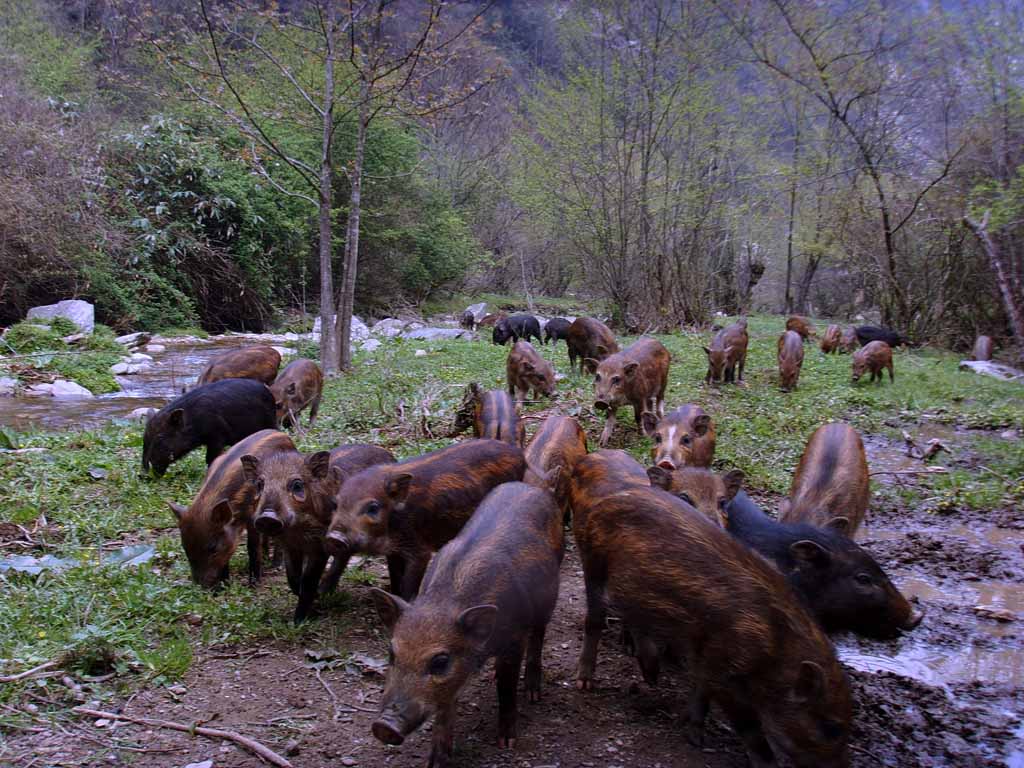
x=949, y=694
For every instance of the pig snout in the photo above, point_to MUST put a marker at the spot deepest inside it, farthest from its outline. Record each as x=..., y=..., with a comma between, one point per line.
x=387, y=731
x=667, y=464
x=915, y=618
x=269, y=522
x=337, y=544
x=601, y=405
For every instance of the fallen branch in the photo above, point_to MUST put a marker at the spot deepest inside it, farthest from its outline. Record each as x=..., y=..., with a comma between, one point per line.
x=926, y=471
x=334, y=699
x=28, y=672
x=264, y=753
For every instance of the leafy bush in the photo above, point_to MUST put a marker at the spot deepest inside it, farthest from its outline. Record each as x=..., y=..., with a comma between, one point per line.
x=26, y=337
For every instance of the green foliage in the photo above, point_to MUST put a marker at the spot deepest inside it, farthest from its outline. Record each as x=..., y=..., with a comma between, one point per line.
x=56, y=64
x=27, y=336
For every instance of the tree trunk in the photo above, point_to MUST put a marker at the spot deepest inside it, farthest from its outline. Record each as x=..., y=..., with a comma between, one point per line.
x=791, y=224
x=1010, y=300
x=346, y=302
x=328, y=349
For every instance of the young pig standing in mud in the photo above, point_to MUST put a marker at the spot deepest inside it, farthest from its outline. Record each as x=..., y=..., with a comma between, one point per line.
x=637, y=376
x=300, y=384
x=728, y=351
x=489, y=593
x=527, y=370
x=294, y=500
x=225, y=506
x=408, y=511
x=685, y=437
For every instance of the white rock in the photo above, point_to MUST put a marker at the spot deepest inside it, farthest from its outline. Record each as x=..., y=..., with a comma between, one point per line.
x=420, y=353
x=155, y=349
x=40, y=390
x=358, y=332
x=134, y=339
x=284, y=351
x=128, y=369
x=7, y=386
x=414, y=326
x=371, y=345
x=141, y=414
x=81, y=313
x=119, y=369
x=138, y=357
x=430, y=334
x=69, y=390
x=989, y=368
x=389, y=327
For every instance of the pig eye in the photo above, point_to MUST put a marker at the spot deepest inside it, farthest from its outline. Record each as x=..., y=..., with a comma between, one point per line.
x=616, y=379
x=372, y=509
x=598, y=377
x=657, y=438
x=864, y=579
x=296, y=488
x=439, y=664
x=686, y=440
x=212, y=547
x=259, y=485
x=722, y=502
x=686, y=497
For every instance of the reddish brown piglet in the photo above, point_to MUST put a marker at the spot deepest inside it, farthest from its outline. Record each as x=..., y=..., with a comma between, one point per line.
x=873, y=358
x=830, y=339
x=749, y=644
x=527, y=370
x=301, y=383
x=257, y=362
x=848, y=340
x=225, y=507
x=831, y=487
x=489, y=593
x=707, y=492
x=791, y=360
x=559, y=446
x=801, y=326
x=684, y=437
x=636, y=376
x=295, y=498
x=727, y=353
x=589, y=340
x=407, y=511
x=492, y=415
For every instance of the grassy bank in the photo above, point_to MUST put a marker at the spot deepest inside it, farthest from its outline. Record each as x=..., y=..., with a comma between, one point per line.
x=146, y=619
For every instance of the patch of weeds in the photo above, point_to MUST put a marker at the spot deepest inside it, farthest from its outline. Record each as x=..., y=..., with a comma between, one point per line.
x=27, y=337
x=89, y=369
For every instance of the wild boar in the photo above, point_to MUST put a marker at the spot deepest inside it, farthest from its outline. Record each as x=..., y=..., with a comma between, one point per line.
x=559, y=446
x=841, y=583
x=527, y=370
x=982, y=348
x=257, y=362
x=830, y=340
x=791, y=360
x=301, y=383
x=491, y=319
x=215, y=415
x=873, y=358
x=801, y=326
x=707, y=492
x=488, y=593
x=604, y=473
x=831, y=487
x=636, y=376
x=467, y=320
x=212, y=524
x=516, y=327
x=848, y=340
x=749, y=644
x=295, y=497
x=491, y=414
x=589, y=339
x=408, y=511
x=684, y=437
x=868, y=333
x=728, y=351
x=556, y=328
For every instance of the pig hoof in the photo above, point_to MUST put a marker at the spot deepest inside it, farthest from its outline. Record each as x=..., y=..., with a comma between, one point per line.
x=504, y=743
x=584, y=684
x=695, y=735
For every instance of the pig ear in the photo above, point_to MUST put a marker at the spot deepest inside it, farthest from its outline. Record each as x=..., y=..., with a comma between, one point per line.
x=474, y=389
x=706, y=351
x=389, y=607
x=659, y=477
x=728, y=350
x=336, y=476
x=398, y=487
x=291, y=389
x=649, y=422
x=177, y=418
x=733, y=482
x=250, y=467
x=178, y=510
x=701, y=425
x=477, y=623
x=221, y=515
x=551, y=478
x=810, y=552
x=810, y=682
x=601, y=349
x=527, y=365
x=319, y=464
x=591, y=362
x=839, y=524
x=630, y=368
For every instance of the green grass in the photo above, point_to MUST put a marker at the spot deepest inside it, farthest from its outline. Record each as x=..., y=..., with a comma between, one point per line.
x=143, y=619
x=86, y=363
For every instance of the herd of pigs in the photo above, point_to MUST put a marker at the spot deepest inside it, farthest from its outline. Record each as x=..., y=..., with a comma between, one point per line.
x=473, y=535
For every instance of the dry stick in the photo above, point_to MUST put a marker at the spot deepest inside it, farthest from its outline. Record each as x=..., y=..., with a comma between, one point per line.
x=28, y=672
x=334, y=699
x=929, y=471
x=264, y=753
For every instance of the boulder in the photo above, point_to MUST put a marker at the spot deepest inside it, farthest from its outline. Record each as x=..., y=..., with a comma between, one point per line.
x=432, y=334
x=69, y=390
x=138, y=357
x=370, y=345
x=478, y=310
x=8, y=386
x=989, y=368
x=420, y=353
x=134, y=339
x=40, y=390
x=155, y=349
x=389, y=327
x=141, y=414
x=359, y=331
x=81, y=313
x=128, y=368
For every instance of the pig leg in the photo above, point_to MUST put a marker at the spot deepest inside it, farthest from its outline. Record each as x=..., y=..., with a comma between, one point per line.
x=214, y=449
x=747, y=725
x=444, y=737
x=293, y=569
x=308, y=587
x=697, y=713
x=648, y=658
x=254, y=551
x=742, y=365
x=609, y=427
x=396, y=573
x=314, y=409
x=596, y=615
x=892, y=374
x=534, y=676
x=413, y=576
x=333, y=575
x=506, y=668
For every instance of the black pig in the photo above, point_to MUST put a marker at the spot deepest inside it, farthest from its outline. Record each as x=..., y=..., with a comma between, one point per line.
x=516, y=327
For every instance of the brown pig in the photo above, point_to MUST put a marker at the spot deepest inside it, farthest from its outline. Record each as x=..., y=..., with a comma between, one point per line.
x=559, y=446
x=684, y=437
x=301, y=383
x=848, y=339
x=982, y=348
x=408, y=511
x=257, y=362
x=830, y=339
x=831, y=488
x=489, y=593
x=527, y=370
x=728, y=351
x=707, y=492
x=873, y=358
x=491, y=414
x=636, y=376
x=295, y=497
x=589, y=340
x=749, y=643
x=791, y=360
x=801, y=326
x=224, y=507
